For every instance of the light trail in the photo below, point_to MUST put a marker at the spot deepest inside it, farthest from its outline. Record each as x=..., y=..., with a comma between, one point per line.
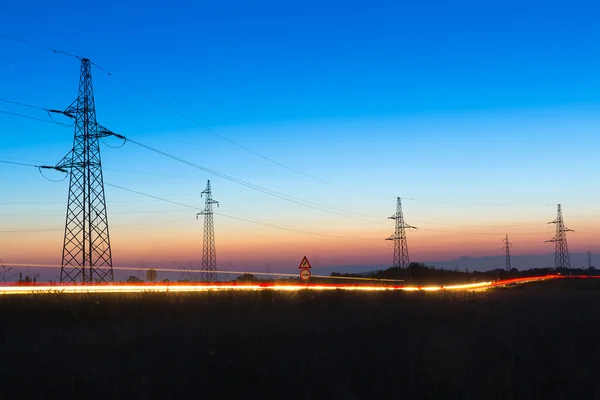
x=176, y=288
x=201, y=287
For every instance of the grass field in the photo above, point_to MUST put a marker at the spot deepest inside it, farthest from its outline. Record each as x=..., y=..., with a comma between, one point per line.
x=535, y=341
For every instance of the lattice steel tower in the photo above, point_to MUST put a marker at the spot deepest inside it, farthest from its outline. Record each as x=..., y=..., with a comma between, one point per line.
x=86, y=255
x=209, y=256
x=401, y=259
x=506, y=247
x=561, y=251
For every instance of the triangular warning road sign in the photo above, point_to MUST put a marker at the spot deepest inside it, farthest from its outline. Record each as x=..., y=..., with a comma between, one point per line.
x=304, y=263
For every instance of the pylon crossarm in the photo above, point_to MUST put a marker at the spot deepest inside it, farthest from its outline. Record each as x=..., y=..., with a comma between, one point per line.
x=65, y=163
x=71, y=110
x=65, y=113
x=104, y=132
x=60, y=169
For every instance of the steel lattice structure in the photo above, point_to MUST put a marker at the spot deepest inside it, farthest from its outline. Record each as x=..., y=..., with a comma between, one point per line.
x=561, y=251
x=87, y=256
x=209, y=255
x=506, y=247
x=401, y=258
x=590, y=266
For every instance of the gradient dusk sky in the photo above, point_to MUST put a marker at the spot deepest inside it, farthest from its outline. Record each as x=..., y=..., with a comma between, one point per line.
x=482, y=114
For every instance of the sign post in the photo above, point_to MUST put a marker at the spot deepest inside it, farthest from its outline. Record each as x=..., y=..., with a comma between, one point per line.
x=305, y=274
x=305, y=269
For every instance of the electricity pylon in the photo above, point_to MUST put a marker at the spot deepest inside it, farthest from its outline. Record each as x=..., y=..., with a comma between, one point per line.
x=590, y=266
x=87, y=256
x=209, y=256
x=401, y=259
x=561, y=250
x=506, y=247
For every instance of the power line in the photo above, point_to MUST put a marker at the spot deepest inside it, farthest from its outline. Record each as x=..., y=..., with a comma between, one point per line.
x=186, y=116
x=18, y=163
x=22, y=104
x=225, y=137
x=112, y=213
x=193, y=207
x=283, y=196
x=112, y=201
x=276, y=226
x=40, y=46
x=481, y=233
x=586, y=246
x=274, y=193
x=296, y=230
x=112, y=226
x=479, y=225
x=151, y=196
x=320, y=253
x=229, y=216
x=253, y=222
x=50, y=111
x=245, y=219
x=587, y=229
x=29, y=117
x=208, y=129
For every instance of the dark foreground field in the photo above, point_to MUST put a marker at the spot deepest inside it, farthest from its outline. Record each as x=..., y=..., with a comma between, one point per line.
x=540, y=341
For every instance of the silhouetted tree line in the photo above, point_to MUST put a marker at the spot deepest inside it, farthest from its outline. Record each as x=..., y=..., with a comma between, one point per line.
x=27, y=280
x=419, y=273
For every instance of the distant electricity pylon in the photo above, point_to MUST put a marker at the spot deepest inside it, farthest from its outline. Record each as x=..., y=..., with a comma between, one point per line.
x=561, y=251
x=209, y=256
x=506, y=247
x=87, y=256
x=590, y=266
x=401, y=259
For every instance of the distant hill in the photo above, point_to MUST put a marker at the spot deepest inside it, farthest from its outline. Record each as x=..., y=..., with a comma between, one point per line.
x=520, y=262
x=487, y=263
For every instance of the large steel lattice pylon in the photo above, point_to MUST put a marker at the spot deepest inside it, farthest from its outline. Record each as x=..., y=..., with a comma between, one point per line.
x=401, y=258
x=506, y=248
x=561, y=250
x=209, y=255
x=86, y=254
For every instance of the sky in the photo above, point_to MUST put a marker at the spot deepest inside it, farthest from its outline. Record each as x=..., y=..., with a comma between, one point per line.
x=482, y=115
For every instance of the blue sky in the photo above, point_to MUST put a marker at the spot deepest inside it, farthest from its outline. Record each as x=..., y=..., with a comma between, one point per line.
x=464, y=104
